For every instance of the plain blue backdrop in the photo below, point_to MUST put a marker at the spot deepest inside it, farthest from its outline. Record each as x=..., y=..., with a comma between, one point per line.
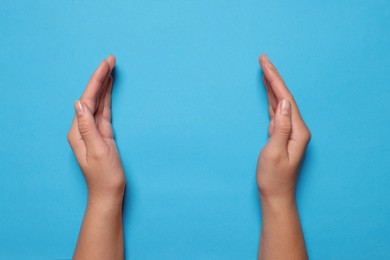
x=190, y=117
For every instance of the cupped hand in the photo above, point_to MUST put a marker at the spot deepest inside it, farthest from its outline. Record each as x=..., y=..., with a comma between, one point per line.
x=279, y=160
x=92, y=140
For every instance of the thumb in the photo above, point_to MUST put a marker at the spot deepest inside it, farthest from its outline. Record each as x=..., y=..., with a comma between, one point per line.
x=282, y=126
x=88, y=129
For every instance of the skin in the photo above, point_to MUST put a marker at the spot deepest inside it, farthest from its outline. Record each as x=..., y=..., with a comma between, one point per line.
x=277, y=170
x=92, y=142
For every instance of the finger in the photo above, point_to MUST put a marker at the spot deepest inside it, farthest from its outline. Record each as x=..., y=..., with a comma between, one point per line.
x=107, y=101
x=280, y=89
x=272, y=101
x=272, y=75
x=88, y=129
x=95, y=86
x=111, y=62
x=76, y=141
x=104, y=118
x=282, y=127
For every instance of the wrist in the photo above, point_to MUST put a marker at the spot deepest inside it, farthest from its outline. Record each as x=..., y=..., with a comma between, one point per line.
x=106, y=201
x=110, y=192
x=104, y=208
x=278, y=203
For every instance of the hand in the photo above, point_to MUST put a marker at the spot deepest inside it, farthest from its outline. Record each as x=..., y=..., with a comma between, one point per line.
x=288, y=137
x=91, y=138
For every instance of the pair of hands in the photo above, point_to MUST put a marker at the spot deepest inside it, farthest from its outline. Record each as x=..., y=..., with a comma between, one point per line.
x=91, y=138
x=92, y=142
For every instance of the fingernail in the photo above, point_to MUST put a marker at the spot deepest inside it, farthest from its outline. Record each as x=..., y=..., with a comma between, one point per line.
x=286, y=107
x=78, y=107
x=268, y=63
x=111, y=56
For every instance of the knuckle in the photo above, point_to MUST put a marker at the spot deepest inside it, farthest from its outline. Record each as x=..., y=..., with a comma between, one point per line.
x=98, y=79
x=275, y=80
x=89, y=102
x=70, y=138
x=309, y=135
x=306, y=135
x=272, y=155
x=84, y=128
x=291, y=98
x=106, y=113
x=284, y=128
x=98, y=154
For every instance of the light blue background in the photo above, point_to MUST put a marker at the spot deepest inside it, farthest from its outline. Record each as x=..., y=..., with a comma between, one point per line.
x=190, y=116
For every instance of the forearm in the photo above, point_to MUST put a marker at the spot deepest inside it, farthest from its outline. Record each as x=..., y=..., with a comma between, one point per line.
x=281, y=233
x=101, y=234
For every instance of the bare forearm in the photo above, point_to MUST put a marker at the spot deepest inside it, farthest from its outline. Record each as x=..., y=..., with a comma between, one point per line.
x=281, y=233
x=101, y=235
